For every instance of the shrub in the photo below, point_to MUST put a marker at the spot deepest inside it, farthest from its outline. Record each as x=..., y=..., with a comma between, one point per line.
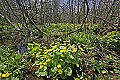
x=11, y=64
x=57, y=61
x=112, y=39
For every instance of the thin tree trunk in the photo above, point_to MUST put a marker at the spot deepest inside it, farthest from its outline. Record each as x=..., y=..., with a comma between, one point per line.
x=94, y=11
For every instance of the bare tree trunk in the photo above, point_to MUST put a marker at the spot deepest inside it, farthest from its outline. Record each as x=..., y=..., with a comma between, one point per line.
x=69, y=2
x=55, y=11
x=119, y=20
x=41, y=13
x=94, y=11
x=72, y=14
x=83, y=9
x=78, y=12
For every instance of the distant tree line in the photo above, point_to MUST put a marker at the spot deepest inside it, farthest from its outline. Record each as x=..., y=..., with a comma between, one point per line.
x=30, y=13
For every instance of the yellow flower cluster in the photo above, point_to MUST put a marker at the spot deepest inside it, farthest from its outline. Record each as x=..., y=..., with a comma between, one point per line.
x=73, y=48
x=48, y=60
x=5, y=75
x=59, y=69
x=52, y=43
x=64, y=50
x=59, y=66
x=42, y=64
x=50, y=50
x=47, y=51
x=38, y=53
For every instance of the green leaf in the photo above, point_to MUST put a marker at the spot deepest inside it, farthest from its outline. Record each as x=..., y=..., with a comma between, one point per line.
x=51, y=73
x=54, y=69
x=45, y=68
x=36, y=44
x=68, y=71
x=18, y=56
x=96, y=77
x=81, y=77
x=104, y=71
x=42, y=74
x=37, y=62
x=63, y=76
x=35, y=49
x=111, y=72
x=59, y=53
x=116, y=71
x=77, y=65
x=72, y=57
x=30, y=46
x=13, y=78
x=76, y=79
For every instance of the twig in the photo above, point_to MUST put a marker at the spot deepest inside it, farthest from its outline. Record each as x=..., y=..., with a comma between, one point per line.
x=103, y=20
x=9, y=22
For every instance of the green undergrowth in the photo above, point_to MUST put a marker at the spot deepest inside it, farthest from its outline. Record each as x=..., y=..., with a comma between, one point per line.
x=62, y=29
x=82, y=55
x=11, y=64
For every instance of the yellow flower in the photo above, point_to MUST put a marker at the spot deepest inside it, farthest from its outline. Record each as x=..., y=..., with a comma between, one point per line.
x=74, y=50
x=41, y=63
x=45, y=52
x=69, y=44
x=57, y=43
x=46, y=56
x=58, y=66
x=33, y=54
x=53, y=47
x=52, y=44
x=6, y=74
x=54, y=50
x=80, y=48
x=41, y=66
x=63, y=44
x=48, y=60
x=44, y=63
x=49, y=50
x=71, y=47
x=33, y=64
x=38, y=53
x=62, y=50
x=60, y=71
